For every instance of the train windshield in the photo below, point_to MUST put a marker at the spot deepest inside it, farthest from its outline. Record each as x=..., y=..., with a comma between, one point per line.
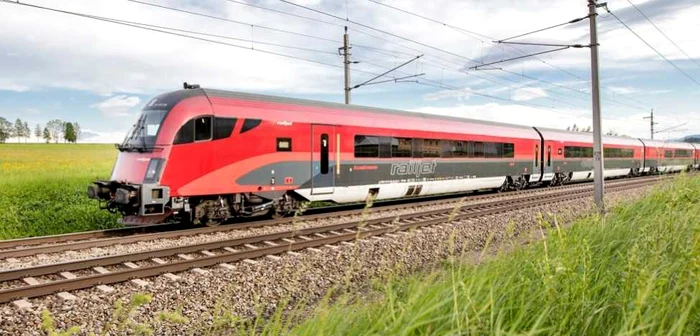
x=142, y=136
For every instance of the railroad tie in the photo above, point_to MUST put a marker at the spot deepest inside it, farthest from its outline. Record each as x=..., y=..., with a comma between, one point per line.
x=250, y=261
x=185, y=256
x=65, y=296
x=313, y=249
x=292, y=253
x=68, y=275
x=159, y=261
x=347, y=243
x=273, y=257
x=320, y=235
x=12, y=260
x=31, y=281
x=270, y=243
x=251, y=246
x=227, y=266
x=305, y=238
x=207, y=253
x=291, y=241
x=171, y=277
x=331, y=246
x=230, y=249
x=139, y=282
x=335, y=233
x=101, y=270
x=131, y=265
x=199, y=271
x=22, y=304
x=105, y=288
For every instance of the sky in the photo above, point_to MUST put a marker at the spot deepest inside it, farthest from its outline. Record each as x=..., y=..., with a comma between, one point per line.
x=59, y=66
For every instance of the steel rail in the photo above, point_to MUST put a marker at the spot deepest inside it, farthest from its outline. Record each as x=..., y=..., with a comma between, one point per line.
x=368, y=228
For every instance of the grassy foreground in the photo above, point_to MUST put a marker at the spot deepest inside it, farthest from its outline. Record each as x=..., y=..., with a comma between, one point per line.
x=42, y=188
x=636, y=272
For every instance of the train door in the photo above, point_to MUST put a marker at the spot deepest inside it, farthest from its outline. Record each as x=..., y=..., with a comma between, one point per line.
x=323, y=145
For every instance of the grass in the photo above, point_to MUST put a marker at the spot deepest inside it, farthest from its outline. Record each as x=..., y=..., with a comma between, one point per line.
x=43, y=188
x=635, y=272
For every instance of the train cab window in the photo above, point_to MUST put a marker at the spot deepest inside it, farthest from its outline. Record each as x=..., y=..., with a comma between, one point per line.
x=223, y=127
x=185, y=134
x=202, y=128
x=284, y=144
x=324, y=154
x=249, y=124
x=385, y=147
x=401, y=147
x=366, y=146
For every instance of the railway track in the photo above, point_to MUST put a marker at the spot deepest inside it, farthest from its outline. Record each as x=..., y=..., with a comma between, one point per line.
x=60, y=278
x=85, y=240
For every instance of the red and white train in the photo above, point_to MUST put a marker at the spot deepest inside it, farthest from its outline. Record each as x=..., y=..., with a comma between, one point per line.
x=205, y=155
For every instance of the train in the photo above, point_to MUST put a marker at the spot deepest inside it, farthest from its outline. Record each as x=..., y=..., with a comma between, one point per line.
x=205, y=156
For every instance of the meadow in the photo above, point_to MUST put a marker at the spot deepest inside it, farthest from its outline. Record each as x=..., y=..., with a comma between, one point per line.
x=43, y=188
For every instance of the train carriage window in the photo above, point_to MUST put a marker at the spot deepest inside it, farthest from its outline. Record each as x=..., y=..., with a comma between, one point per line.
x=366, y=146
x=549, y=156
x=202, y=128
x=324, y=154
x=478, y=150
x=431, y=148
x=284, y=144
x=401, y=147
x=417, y=148
x=668, y=153
x=385, y=147
x=446, y=146
x=684, y=153
x=249, y=124
x=509, y=150
x=459, y=149
x=491, y=149
x=223, y=127
x=185, y=134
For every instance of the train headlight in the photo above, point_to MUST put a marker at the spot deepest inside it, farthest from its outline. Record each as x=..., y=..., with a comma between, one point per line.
x=155, y=166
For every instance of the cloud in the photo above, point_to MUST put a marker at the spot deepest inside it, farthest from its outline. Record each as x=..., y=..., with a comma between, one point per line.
x=90, y=136
x=525, y=94
x=117, y=106
x=461, y=95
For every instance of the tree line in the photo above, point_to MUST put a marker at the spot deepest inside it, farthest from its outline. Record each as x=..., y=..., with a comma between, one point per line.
x=55, y=130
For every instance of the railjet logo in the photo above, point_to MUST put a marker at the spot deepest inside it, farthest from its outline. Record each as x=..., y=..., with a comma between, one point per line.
x=413, y=167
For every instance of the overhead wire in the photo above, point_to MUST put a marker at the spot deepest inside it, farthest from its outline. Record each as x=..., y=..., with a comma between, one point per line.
x=652, y=48
x=664, y=34
x=146, y=27
x=460, y=29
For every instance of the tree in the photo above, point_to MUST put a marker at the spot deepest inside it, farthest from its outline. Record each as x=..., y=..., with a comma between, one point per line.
x=5, y=130
x=19, y=129
x=68, y=132
x=26, y=131
x=55, y=128
x=47, y=135
x=76, y=127
x=37, y=132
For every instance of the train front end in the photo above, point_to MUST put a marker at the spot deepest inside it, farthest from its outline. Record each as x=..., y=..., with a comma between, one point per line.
x=134, y=189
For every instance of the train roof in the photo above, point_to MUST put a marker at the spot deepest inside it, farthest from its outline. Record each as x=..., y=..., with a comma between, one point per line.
x=548, y=133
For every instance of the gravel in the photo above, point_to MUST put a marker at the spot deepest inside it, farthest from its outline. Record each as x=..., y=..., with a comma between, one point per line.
x=251, y=289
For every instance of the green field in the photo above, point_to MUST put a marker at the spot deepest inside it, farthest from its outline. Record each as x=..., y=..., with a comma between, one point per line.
x=635, y=273
x=42, y=188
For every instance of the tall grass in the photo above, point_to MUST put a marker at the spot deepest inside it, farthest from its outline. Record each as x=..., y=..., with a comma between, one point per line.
x=42, y=188
x=636, y=271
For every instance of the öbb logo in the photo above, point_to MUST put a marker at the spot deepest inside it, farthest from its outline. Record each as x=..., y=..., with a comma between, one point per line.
x=413, y=167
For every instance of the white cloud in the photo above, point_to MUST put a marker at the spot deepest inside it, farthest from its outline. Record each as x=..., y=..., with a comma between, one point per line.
x=462, y=94
x=90, y=136
x=525, y=94
x=117, y=106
